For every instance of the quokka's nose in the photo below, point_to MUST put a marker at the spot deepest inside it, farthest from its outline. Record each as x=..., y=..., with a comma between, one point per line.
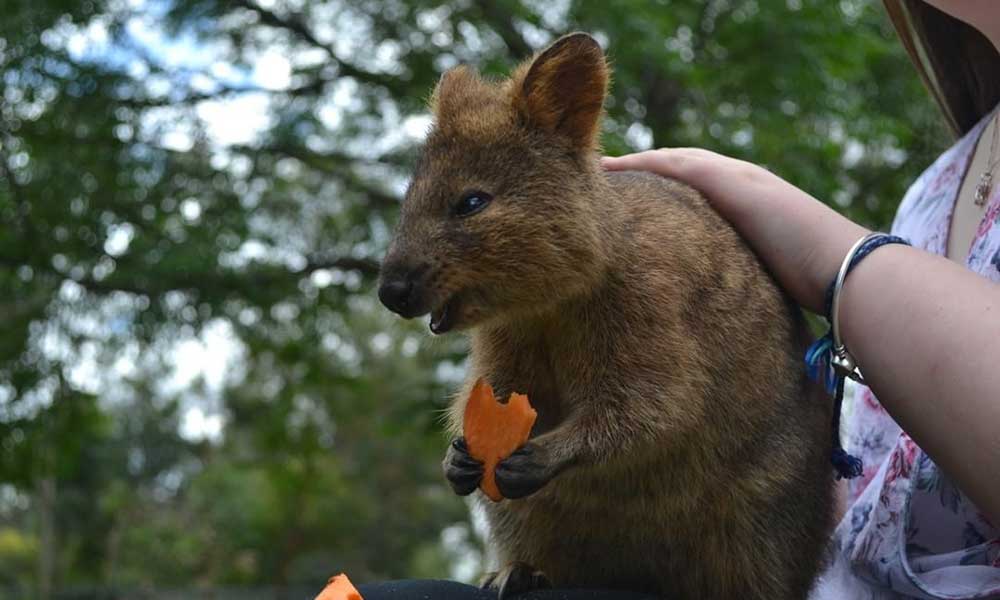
x=402, y=289
x=395, y=294
x=402, y=293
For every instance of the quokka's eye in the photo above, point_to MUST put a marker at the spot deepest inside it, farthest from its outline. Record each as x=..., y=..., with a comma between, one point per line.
x=471, y=203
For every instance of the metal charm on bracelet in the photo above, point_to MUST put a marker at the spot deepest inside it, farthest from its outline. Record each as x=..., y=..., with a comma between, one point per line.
x=842, y=361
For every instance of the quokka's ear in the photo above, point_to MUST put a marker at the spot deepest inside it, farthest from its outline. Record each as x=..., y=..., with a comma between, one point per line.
x=562, y=90
x=453, y=90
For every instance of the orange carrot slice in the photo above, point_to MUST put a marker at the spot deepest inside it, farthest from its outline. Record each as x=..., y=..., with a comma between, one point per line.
x=493, y=430
x=339, y=587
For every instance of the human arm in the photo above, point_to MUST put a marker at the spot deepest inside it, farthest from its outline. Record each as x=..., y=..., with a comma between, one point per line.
x=924, y=330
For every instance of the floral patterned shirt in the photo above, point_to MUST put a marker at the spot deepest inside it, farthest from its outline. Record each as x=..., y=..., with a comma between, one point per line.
x=909, y=532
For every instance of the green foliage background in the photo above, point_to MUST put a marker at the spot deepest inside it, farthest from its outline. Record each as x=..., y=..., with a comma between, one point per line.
x=132, y=238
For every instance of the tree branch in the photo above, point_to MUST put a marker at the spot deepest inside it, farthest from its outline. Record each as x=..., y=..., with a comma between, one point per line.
x=502, y=22
x=335, y=164
x=313, y=87
x=225, y=281
x=365, y=266
x=294, y=25
x=26, y=307
x=17, y=192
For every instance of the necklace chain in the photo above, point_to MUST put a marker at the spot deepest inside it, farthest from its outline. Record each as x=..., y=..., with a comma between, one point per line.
x=985, y=185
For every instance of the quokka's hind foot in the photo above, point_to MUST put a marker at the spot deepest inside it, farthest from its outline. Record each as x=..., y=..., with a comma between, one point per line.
x=515, y=578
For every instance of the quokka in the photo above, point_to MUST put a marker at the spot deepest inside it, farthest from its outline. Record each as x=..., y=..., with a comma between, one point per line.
x=679, y=448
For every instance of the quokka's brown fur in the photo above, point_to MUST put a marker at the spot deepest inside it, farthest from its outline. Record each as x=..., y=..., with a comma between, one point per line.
x=679, y=448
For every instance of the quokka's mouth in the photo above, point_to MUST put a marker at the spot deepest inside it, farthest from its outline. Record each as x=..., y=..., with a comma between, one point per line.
x=443, y=318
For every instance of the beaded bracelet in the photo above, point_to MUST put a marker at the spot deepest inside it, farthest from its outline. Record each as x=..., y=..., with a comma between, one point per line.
x=828, y=360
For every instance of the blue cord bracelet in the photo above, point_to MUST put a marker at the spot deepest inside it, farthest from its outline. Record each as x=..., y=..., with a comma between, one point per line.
x=876, y=241
x=821, y=357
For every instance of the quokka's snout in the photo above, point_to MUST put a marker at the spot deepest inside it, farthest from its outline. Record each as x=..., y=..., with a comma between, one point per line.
x=412, y=289
x=402, y=289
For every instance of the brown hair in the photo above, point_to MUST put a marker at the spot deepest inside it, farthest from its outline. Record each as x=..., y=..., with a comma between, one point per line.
x=958, y=64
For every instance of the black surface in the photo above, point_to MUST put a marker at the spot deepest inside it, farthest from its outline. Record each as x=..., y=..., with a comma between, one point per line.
x=427, y=589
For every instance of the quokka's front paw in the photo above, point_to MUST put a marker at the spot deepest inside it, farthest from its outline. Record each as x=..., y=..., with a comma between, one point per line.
x=525, y=471
x=462, y=471
x=516, y=578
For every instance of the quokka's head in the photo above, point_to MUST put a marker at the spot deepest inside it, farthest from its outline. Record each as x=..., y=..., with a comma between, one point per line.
x=502, y=218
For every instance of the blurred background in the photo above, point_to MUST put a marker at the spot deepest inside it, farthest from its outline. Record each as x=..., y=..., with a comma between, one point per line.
x=200, y=396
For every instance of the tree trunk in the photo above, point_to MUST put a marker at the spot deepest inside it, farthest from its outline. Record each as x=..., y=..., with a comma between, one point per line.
x=46, y=499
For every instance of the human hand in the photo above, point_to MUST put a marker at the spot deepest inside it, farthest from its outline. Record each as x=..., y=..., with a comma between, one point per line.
x=801, y=240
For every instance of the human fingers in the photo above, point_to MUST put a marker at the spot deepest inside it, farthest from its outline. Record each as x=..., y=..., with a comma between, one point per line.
x=700, y=168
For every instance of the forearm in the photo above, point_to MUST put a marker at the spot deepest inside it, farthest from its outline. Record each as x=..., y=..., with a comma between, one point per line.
x=801, y=240
x=926, y=334
x=794, y=234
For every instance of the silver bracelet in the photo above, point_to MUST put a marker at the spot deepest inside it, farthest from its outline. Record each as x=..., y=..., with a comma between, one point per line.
x=842, y=359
